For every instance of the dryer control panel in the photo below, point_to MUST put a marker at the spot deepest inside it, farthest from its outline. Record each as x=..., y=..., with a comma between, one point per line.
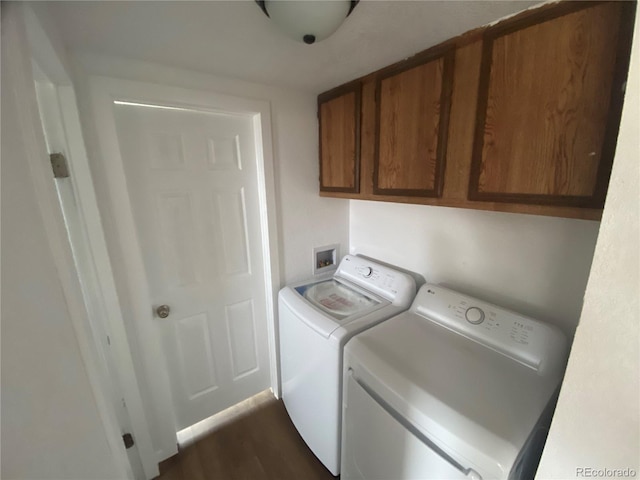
x=397, y=287
x=533, y=343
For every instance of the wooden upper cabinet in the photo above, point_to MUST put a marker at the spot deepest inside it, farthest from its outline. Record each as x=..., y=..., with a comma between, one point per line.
x=412, y=114
x=519, y=116
x=339, y=116
x=549, y=103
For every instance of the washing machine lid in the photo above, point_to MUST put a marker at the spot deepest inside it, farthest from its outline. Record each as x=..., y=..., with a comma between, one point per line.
x=337, y=299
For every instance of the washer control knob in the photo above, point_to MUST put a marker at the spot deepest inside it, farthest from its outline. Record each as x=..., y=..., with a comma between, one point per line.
x=474, y=315
x=366, y=271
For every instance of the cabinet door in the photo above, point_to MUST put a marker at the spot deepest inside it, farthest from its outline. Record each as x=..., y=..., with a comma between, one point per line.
x=412, y=114
x=549, y=104
x=339, y=115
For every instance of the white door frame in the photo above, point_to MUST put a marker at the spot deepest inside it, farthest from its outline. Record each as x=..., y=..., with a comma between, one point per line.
x=103, y=92
x=31, y=41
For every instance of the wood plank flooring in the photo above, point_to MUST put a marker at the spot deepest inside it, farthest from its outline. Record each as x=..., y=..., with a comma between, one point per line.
x=260, y=443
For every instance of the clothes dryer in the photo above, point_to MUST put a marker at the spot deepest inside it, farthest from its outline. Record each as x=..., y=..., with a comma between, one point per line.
x=454, y=388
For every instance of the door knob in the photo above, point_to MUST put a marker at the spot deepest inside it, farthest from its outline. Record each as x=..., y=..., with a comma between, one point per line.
x=163, y=311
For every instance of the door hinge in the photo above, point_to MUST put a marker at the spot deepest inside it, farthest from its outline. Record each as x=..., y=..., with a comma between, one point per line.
x=127, y=438
x=59, y=165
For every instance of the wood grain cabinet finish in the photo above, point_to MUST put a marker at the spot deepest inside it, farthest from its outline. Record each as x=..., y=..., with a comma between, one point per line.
x=339, y=118
x=412, y=113
x=549, y=103
x=521, y=116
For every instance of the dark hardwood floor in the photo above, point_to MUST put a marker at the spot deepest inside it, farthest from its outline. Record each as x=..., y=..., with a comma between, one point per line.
x=261, y=443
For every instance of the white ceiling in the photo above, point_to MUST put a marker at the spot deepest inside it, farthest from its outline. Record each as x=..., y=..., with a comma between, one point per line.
x=235, y=39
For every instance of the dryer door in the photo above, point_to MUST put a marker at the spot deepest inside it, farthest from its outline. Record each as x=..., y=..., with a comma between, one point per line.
x=380, y=444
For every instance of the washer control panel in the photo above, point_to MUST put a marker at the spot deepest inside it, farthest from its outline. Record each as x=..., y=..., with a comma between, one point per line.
x=533, y=343
x=393, y=285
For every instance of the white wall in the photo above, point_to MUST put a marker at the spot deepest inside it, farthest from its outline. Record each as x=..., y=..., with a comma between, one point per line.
x=597, y=420
x=51, y=425
x=305, y=219
x=535, y=265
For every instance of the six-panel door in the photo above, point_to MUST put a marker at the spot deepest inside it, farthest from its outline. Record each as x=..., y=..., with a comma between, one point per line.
x=192, y=179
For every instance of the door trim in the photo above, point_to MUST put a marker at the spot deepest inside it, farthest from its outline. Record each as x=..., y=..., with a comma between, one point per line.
x=30, y=40
x=103, y=92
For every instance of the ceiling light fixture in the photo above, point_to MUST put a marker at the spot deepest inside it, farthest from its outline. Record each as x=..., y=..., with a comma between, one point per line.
x=307, y=20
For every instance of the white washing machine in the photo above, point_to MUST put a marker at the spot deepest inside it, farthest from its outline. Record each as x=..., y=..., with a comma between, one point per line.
x=316, y=319
x=453, y=388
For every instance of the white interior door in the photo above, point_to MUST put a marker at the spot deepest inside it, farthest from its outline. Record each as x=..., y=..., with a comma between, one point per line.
x=192, y=180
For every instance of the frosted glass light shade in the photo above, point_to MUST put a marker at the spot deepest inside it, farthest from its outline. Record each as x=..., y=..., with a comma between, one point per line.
x=308, y=21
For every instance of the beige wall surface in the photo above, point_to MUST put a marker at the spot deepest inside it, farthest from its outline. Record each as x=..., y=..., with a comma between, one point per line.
x=51, y=426
x=535, y=265
x=596, y=429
